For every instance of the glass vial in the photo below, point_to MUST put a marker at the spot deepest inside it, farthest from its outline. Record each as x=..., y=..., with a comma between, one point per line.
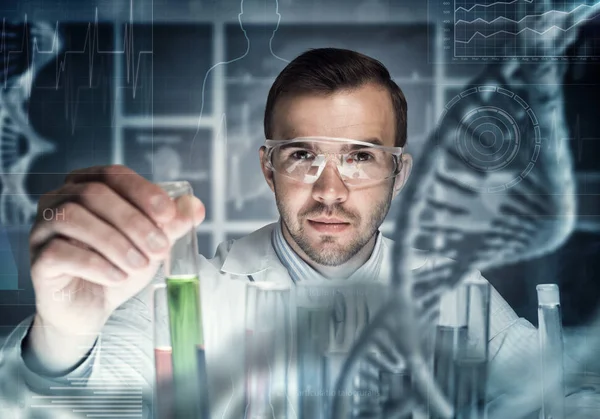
x=267, y=346
x=551, y=351
x=185, y=317
x=163, y=390
x=450, y=337
x=394, y=386
x=472, y=356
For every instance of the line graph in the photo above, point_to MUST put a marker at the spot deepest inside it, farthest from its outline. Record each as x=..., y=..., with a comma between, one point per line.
x=525, y=19
x=480, y=31
x=485, y=29
x=486, y=6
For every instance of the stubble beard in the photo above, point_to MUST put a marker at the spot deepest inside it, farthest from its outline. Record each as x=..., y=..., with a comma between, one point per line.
x=327, y=252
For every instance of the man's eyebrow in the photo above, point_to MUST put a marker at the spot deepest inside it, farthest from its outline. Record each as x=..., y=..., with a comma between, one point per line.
x=299, y=144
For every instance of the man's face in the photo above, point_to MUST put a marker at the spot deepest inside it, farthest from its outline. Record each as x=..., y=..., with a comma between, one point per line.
x=307, y=210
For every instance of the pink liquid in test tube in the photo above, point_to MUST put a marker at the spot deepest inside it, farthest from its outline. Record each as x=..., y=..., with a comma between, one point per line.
x=164, y=382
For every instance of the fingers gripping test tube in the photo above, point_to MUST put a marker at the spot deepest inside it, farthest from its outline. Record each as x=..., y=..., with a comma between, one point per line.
x=185, y=319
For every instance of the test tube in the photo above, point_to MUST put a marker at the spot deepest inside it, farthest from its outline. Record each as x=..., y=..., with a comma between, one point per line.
x=471, y=361
x=268, y=337
x=365, y=395
x=551, y=351
x=395, y=385
x=450, y=336
x=163, y=390
x=314, y=304
x=185, y=318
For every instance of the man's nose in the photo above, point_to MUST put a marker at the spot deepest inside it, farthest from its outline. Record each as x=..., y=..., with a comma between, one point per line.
x=329, y=187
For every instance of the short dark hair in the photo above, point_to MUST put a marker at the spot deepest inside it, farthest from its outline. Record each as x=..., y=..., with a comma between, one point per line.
x=327, y=70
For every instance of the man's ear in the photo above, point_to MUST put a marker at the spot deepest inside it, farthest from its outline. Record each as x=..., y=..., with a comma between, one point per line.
x=402, y=177
x=268, y=173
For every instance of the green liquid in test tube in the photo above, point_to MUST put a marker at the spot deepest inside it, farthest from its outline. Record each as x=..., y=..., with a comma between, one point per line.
x=185, y=319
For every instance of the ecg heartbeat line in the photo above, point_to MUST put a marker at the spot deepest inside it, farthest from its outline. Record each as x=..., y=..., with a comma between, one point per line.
x=31, y=50
x=91, y=46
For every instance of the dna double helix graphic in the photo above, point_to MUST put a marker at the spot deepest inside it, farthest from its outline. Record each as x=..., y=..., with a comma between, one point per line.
x=26, y=49
x=483, y=195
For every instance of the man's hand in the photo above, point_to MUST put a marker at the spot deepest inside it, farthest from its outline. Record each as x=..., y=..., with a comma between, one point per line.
x=97, y=241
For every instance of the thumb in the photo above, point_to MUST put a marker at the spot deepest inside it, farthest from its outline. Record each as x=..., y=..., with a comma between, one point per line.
x=190, y=213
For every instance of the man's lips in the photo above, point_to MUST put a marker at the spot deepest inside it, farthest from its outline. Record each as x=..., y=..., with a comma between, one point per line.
x=326, y=220
x=328, y=225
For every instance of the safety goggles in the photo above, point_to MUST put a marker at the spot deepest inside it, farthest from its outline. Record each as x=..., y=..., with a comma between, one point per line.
x=359, y=163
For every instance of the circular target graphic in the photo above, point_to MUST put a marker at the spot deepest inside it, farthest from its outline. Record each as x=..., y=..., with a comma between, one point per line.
x=487, y=138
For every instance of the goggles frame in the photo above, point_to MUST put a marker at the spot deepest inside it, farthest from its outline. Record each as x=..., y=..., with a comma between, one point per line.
x=396, y=152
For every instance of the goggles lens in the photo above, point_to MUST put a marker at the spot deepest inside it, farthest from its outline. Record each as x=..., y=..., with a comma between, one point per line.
x=358, y=162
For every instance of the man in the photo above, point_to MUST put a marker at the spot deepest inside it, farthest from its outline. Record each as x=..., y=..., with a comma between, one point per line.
x=336, y=123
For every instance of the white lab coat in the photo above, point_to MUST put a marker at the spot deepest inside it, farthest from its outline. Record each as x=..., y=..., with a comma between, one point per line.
x=223, y=291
